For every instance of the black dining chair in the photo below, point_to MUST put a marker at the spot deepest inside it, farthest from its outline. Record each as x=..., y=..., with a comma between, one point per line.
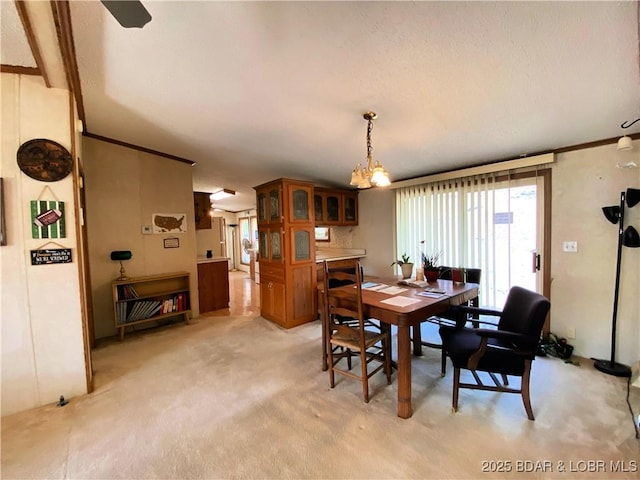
x=453, y=318
x=507, y=349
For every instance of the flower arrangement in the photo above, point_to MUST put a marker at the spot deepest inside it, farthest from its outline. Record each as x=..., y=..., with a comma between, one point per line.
x=429, y=261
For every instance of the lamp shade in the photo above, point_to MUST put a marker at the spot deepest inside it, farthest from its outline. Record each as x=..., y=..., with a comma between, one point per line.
x=630, y=238
x=633, y=197
x=612, y=213
x=625, y=143
x=121, y=255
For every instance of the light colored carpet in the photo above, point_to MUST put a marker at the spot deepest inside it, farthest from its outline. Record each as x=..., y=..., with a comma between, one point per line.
x=238, y=397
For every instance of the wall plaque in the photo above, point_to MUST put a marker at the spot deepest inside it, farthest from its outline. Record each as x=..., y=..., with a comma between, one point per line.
x=44, y=160
x=49, y=256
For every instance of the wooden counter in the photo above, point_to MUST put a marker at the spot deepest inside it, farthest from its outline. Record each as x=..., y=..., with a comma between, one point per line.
x=213, y=284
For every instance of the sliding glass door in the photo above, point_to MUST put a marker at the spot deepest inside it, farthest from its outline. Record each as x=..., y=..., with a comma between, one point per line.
x=491, y=222
x=516, y=239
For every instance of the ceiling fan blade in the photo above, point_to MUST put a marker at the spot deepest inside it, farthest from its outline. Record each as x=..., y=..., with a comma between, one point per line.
x=128, y=13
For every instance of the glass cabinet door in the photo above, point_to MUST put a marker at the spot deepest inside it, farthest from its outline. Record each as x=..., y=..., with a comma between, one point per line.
x=301, y=243
x=300, y=204
x=318, y=207
x=262, y=207
x=333, y=208
x=270, y=245
x=350, y=204
x=276, y=245
x=263, y=244
x=274, y=205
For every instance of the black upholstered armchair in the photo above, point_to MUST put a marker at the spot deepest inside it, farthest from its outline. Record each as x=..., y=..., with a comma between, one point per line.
x=506, y=349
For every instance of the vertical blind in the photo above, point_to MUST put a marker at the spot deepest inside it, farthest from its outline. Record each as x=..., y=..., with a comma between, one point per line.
x=455, y=218
x=481, y=217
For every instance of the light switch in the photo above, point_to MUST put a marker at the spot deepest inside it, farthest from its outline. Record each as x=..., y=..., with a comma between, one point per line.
x=571, y=247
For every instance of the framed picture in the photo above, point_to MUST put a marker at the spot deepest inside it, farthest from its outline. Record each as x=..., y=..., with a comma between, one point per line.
x=172, y=242
x=169, y=222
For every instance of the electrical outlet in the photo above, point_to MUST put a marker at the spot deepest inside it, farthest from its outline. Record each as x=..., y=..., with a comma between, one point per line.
x=571, y=332
x=147, y=229
x=570, y=247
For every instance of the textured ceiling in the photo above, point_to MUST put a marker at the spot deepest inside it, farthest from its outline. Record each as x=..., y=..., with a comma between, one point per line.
x=253, y=91
x=14, y=48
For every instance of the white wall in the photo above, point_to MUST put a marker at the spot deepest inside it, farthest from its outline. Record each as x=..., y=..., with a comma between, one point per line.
x=42, y=343
x=124, y=187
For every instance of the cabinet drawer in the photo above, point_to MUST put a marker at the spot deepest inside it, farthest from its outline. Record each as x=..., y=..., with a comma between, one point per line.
x=271, y=272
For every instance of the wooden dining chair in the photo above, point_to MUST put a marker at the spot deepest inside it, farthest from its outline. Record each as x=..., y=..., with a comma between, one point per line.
x=453, y=318
x=334, y=282
x=349, y=333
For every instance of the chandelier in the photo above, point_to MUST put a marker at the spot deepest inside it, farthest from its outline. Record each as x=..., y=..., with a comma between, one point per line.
x=373, y=174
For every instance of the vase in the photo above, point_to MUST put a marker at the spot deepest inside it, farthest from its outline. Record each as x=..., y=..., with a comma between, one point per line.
x=431, y=275
x=407, y=270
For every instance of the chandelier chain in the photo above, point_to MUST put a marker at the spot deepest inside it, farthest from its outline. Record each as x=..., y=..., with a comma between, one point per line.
x=369, y=130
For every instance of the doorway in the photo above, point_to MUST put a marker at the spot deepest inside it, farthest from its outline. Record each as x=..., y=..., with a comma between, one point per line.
x=518, y=238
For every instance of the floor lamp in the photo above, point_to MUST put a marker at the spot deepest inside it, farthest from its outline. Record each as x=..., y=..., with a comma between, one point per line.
x=233, y=244
x=628, y=238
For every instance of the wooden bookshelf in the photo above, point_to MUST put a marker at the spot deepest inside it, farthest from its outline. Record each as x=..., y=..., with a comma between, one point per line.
x=150, y=298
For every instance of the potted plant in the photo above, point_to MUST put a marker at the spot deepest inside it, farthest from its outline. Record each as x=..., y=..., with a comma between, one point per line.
x=405, y=265
x=430, y=265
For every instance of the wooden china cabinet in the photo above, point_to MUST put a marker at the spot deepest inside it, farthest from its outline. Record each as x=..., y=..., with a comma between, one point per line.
x=335, y=207
x=287, y=251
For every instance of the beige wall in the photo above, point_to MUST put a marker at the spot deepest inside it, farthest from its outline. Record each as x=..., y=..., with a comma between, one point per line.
x=124, y=188
x=582, y=285
x=42, y=344
x=212, y=239
x=376, y=230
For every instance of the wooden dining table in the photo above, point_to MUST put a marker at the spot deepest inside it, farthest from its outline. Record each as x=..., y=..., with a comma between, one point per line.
x=404, y=317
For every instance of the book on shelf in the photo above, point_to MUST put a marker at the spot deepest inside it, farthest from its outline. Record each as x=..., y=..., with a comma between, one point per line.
x=150, y=309
x=127, y=292
x=167, y=306
x=121, y=312
x=143, y=309
x=182, y=302
x=134, y=312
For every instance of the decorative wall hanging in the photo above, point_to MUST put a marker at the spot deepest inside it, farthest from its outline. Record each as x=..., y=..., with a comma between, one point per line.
x=44, y=160
x=50, y=256
x=169, y=222
x=47, y=217
x=172, y=242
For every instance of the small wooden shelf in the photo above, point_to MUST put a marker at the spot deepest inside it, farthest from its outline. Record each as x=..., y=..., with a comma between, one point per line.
x=150, y=298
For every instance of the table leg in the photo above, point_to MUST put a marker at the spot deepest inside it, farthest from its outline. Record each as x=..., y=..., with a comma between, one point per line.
x=404, y=372
x=325, y=333
x=325, y=351
x=417, y=340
